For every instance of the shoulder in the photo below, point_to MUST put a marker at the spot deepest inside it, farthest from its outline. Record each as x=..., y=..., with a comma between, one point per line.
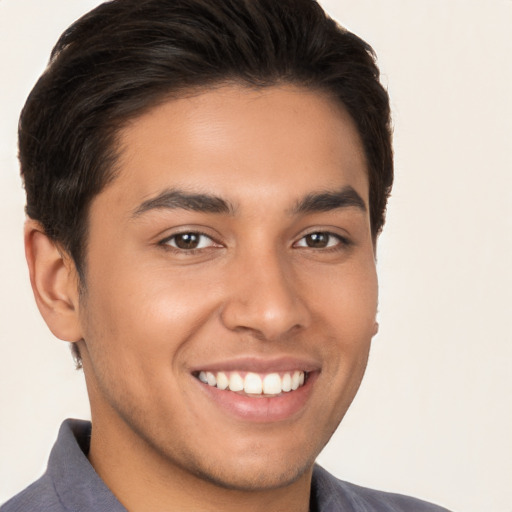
x=70, y=482
x=40, y=497
x=333, y=494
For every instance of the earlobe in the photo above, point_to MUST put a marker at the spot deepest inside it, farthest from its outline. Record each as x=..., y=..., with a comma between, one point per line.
x=54, y=282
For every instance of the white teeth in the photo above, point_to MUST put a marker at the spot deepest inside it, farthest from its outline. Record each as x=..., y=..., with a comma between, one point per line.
x=212, y=381
x=287, y=382
x=272, y=384
x=295, y=380
x=236, y=382
x=253, y=383
x=222, y=380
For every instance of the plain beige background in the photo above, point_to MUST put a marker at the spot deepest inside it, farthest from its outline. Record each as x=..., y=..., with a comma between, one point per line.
x=434, y=415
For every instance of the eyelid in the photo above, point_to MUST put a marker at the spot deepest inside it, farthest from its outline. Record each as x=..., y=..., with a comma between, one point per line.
x=164, y=242
x=344, y=241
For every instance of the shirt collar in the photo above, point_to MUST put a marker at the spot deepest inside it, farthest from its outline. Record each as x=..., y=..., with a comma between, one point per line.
x=78, y=486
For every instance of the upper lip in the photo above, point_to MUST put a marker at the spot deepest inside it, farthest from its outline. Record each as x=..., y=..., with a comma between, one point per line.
x=260, y=365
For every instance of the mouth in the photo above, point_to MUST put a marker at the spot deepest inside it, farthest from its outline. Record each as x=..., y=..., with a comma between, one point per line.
x=252, y=384
x=250, y=389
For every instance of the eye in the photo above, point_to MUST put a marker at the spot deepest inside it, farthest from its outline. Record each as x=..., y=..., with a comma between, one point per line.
x=321, y=240
x=189, y=241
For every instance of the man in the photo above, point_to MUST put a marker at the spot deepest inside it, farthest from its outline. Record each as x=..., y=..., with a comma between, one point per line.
x=206, y=182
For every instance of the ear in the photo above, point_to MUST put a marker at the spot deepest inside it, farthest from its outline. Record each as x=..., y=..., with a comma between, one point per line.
x=54, y=281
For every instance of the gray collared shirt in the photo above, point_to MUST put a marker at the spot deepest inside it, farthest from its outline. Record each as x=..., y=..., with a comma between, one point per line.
x=70, y=484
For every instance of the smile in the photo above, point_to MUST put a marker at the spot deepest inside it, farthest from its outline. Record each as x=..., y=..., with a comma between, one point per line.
x=254, y=384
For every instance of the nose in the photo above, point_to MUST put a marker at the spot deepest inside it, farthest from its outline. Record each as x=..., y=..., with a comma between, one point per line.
x=264, y=298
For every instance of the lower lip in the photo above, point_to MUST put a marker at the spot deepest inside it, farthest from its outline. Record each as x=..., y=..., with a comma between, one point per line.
x=261, y=409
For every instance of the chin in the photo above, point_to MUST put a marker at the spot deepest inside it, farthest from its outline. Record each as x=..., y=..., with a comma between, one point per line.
x=256, y=477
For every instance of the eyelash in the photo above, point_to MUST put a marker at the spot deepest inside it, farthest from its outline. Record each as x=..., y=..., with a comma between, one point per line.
x=342, y=242
x=165, y=243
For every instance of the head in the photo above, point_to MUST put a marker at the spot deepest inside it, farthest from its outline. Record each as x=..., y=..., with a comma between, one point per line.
x=132, y=73
x=127, y=56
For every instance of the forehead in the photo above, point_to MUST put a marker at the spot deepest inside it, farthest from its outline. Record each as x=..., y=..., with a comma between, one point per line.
x=242, y=143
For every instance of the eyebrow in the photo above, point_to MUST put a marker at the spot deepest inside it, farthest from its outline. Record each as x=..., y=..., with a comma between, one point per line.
x=316, y=202
x=178, y=199
x=347, y=197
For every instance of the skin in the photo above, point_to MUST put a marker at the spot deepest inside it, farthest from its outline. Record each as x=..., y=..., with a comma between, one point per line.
x=256, y=289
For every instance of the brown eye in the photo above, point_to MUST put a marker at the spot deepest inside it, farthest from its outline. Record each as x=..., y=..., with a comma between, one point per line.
x=322, y=240
x=189, y=241
x=317, y=240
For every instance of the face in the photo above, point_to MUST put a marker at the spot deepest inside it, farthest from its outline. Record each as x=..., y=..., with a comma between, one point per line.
x=230, y=285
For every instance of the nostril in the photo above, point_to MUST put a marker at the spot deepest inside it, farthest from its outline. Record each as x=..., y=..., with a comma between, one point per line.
x=263, y=321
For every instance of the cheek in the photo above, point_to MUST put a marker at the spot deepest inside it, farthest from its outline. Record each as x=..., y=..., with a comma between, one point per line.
x=356, y=316
x=143, y=314
x=347, y=300
x=348, y=312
